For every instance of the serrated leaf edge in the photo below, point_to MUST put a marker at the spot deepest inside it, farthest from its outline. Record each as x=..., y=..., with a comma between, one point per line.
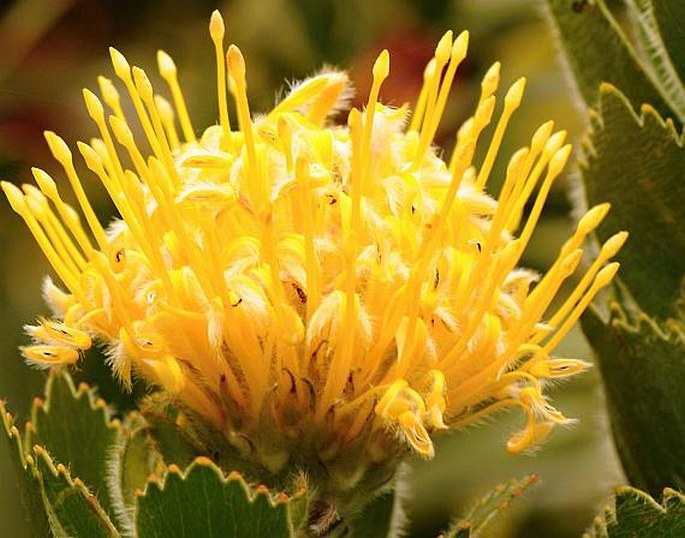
x=668, y=331
x=659, y=65
x=600, y=523
x=13, y=433
x=624, y=42
x=459, y=525
x=251, y=493
x=96, y=403
x=76, y=483
x=98, y=406
x=607, y=89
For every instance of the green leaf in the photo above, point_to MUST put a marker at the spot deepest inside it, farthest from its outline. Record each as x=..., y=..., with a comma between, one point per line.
x=637, y=163
x=29, y=486
x=72, y=509
x=382, y=518
x=173, y=441
x=656, y=55
x=76, y=429
x=375, y=521
x=488, y=507
x=637, y=514
x=643, y=370
x=670, y=15
x=385, y=515
x=598, y=51
x=136, y=460
x=202, y=502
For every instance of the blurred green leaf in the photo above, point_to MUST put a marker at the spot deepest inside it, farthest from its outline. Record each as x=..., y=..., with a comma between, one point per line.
x=76, y=429
x=638, y=165
x=670, y=15
x=488, y=507
x=382, y=518
x=174, y=443
x=136, y=461
x=598, y=51
x=637, y=514
x=202, y=502
x=72, y=509
x=643, y=368
x=656, y=55
x=29, y=486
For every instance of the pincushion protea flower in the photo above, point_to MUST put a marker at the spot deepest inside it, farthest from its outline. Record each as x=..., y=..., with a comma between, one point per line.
x=320, y=294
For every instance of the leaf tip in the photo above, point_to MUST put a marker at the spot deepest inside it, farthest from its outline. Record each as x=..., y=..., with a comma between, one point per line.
x=173, y=468
x=204, y=460
x=235, y=475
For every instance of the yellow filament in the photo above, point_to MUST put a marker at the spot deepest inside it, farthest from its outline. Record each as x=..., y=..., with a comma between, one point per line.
x=166, y=114
x=217, y=31
x=459, y=49
x=543, y=294
x=608, y=251
x=38, y=206
x=510, y=195
x=111, y=96
x=62, y=154
x=124, y=136
x=311, y=262
x=144, y=88
x=49, y=189
x=236, y=68
x=442, y=56
x=420, y=108
x=522, y=191
x=18, y=203
x=602, y=280
x=555, y=167
x=512, y=100
x=167, y=68
x=97, y=114
x=123, y=71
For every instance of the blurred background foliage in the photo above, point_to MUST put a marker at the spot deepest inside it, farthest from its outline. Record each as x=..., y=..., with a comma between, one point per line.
x=51, y=49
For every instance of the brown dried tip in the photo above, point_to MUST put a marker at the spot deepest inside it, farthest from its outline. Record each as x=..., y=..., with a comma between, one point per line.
x=203, y=460
x=173, y=468
x=235, y=475
x=139, y=492
x=38, y=450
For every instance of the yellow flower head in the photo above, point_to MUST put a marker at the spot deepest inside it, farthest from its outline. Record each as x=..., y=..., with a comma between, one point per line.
x=308, y=287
